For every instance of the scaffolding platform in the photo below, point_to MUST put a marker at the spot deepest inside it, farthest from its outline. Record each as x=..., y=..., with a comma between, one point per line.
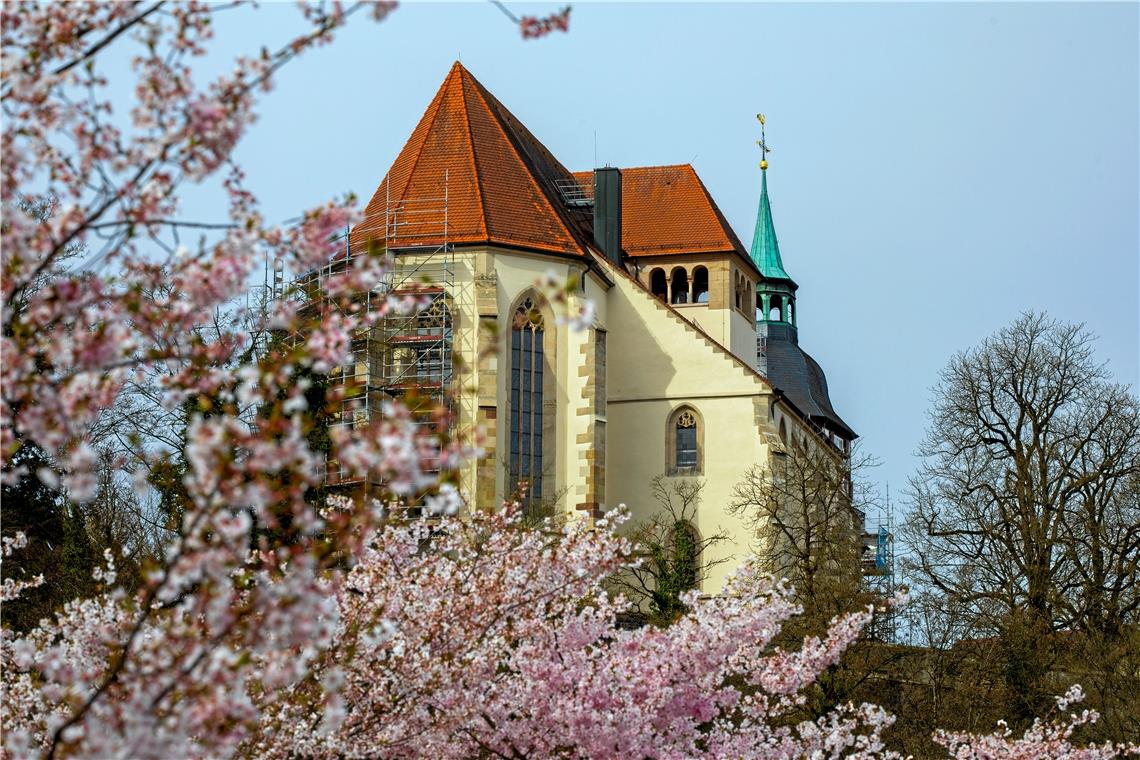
x=402, y=355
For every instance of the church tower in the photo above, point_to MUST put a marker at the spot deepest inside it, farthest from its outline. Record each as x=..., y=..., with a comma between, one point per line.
x=778, y=354
x=776, y=292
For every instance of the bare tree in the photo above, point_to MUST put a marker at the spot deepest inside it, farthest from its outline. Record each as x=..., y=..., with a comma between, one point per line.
x=806, y=510
x=673, y=554
x=124, y=520
x=1024, y=511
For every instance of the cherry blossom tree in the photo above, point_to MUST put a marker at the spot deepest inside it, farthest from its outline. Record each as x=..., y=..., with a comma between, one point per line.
x=466, y=633
x=210, y=618
x=1044, y=739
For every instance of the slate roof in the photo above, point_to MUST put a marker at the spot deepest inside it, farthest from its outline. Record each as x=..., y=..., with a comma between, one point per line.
x=501, y=182
x=801, y=379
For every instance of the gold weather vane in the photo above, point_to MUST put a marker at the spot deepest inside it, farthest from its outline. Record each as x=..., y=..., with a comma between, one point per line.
x=764, y=149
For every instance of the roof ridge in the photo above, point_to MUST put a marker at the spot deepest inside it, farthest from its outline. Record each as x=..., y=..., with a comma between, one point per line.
x=738, y=245
x=493, y=105
x=437, y=101
x=635, y=168
x=471, y=152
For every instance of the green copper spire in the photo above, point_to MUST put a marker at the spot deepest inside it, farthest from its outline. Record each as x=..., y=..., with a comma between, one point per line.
x=765, y=248
x=776, y=292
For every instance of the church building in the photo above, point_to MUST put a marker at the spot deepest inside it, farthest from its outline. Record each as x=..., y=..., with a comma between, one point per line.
x=690, y=366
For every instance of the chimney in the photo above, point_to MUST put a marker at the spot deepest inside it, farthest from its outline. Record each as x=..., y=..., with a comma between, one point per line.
x=607, y=212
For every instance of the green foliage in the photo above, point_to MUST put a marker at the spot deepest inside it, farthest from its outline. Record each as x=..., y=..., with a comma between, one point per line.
x=676, y=566
x=315, y=419
x=169, y=470
x=58, y=545
x=673, y=554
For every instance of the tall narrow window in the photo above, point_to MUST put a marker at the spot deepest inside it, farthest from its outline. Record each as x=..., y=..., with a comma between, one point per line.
x=600, y=373
x=684, y=440
x=700, y=285
x=526, y=422
x=680, y=286
x=658, y=284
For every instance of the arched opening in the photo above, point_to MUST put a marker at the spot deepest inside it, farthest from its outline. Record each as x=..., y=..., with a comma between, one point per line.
x=685, y=442
x=776, y=311
x=700, y=285
x=658, y=285
x=791, y=313
x=530, y=432
x=738, y=289
x=680, y=286
x=783, y=432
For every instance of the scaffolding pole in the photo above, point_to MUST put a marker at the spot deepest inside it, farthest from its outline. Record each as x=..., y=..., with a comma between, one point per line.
x=406, y=353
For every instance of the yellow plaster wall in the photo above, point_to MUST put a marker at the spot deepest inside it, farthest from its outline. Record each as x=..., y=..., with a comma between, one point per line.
x=515, y=273
x=727, y=326
x=657, y=362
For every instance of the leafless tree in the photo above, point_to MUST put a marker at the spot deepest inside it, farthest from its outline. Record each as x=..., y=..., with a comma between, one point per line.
x=806, y=510
x=1024, y=512
x=1026, y=495
x=124, y=519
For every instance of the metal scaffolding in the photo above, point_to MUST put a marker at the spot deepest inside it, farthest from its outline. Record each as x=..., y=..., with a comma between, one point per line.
x=879, y=569
x=406, y=352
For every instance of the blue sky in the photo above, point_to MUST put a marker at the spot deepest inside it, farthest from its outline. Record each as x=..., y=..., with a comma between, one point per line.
x=937, y=168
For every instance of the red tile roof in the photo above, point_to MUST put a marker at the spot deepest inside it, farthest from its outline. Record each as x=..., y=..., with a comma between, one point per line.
x=501, y=182
x=667, y=210
x=503, y=187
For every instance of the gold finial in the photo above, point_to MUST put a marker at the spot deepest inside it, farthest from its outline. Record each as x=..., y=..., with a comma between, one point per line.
x=764, y=149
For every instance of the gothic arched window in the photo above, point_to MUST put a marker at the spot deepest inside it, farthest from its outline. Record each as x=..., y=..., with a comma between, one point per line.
x=685, y=442
x=529, y=381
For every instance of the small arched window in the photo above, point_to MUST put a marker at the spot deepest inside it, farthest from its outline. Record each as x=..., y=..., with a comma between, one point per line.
x=700, y=285
x=658, y=284
x=775, y=314
x=685, y=442
x=783, y=432
x=680, y=286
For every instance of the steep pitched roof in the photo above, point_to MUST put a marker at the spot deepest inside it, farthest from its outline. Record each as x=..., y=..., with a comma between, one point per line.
x=765, y=248
x=667, y=210
x=500, y=181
